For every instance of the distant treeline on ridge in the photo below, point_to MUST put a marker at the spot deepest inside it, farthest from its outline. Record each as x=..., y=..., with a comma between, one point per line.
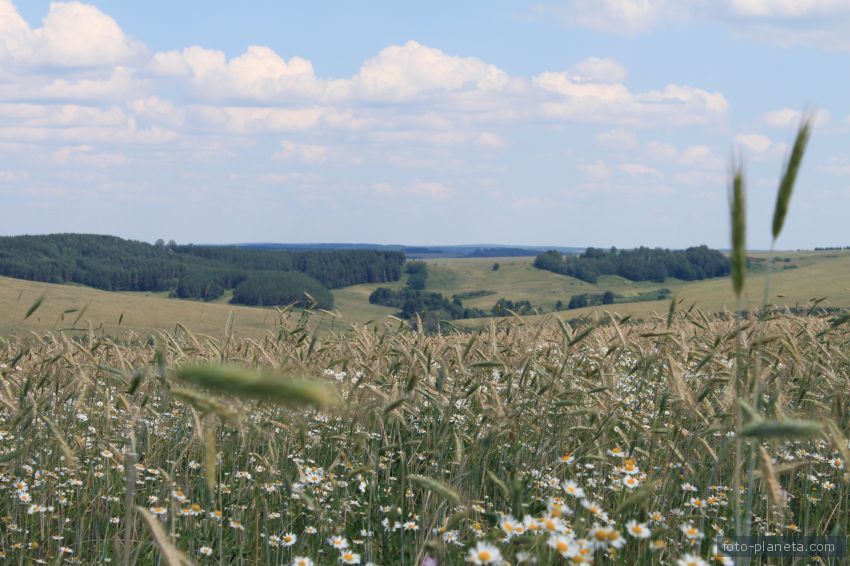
x=258, y=277
x=640, y=264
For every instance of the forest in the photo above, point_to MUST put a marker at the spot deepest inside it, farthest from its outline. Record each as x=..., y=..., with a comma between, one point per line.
x=193, y=271
x=639, y=264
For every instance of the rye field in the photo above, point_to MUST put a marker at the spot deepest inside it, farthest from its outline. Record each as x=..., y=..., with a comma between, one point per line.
x=526, y=441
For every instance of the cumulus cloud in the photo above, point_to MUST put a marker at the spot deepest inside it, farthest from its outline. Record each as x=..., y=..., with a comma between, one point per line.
x=59, y=41
x=755, y=142
x=601, y=70
x=258, y=74
x=614, y=102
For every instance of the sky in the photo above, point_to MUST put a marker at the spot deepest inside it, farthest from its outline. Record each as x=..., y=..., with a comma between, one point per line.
x=570, y=122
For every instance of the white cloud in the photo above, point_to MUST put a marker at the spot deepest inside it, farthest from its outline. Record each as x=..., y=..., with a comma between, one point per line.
x=625, y=17
x=755, y=142
x=639, y=170
x=818, y=23
x=432, y=189
x=617, y=139
x=614, y=102
x=787, y=117
x=786, y=8
x=406, y=72
x=259, y=74
x=596, y=170
x=72, y=35
x=302, y=152
x=86, y=155
x=600, y=70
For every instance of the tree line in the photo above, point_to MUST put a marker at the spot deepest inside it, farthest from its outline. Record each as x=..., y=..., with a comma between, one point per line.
x=640, y=264
x=189, y=271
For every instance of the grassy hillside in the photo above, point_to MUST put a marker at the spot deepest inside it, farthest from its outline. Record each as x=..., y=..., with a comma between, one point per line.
x=817, y=274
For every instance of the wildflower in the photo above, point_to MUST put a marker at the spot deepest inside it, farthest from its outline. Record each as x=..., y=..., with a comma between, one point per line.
x=310, y=530
x=410, y=526
x=837, y=463
x=631, y=482
x=509, y=525
x=637, y=530
x=563, y=545
x=629, y=467
x=302, y=561
x=288, y=539
x=688, y=487
x=721, y=559
x=691, y=560
x=572, y=488
x=348, y=557
x=556, y=507
x=159, y=510
x=338, y=542
x=234, y=524
x=567, y=458
x=484, y=553
x=692, y=532
x=617, y=452
x=206, y=551
x=529, y=523
x=696, y=503
x=553, y=524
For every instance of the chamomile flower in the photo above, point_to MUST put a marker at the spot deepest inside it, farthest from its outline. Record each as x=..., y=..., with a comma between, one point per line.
x=348, y=557
x=691, y=560
x=509, y=525
x=338, y=542
x=205, y=551
x=572, y=488
x=691, y=532
x=637, y=530
x=288, y=539
x=631, y=482
x=484, y=553
x=302, y=561
x=563, y=545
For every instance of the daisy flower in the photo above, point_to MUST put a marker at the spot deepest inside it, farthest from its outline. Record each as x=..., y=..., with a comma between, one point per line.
x=484, y=553
x=563, y=545
x=637, y=530
x=338, y=542
x=288, y=539
x=692, y=532
x=691, y=560
x=572, y=488
x=302, y=561
x=348, y=557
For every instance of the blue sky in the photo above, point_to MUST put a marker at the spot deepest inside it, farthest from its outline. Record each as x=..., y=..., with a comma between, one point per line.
x=574, y=122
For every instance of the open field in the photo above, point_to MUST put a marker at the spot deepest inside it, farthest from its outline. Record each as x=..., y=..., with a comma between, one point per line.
x=817, y=274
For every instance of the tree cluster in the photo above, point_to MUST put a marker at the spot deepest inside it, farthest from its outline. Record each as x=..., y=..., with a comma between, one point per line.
x=641, y=264
x=187, y=271
x=282, y=288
